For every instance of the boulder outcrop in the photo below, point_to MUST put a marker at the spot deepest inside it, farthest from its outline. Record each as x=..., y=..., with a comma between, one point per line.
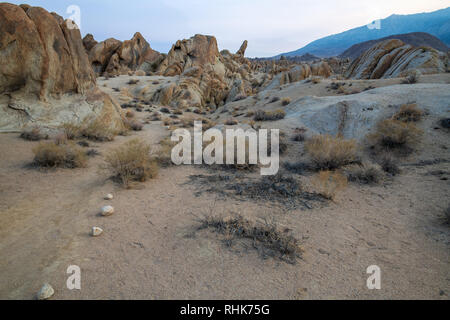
x=393, y=58
x=45, y=77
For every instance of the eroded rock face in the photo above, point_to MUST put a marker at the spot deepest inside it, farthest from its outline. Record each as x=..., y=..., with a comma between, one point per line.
x=393, y=58
x=45, y=77
x=242, y=49
x=89, y=42
x=114, y=57
x=39, y=55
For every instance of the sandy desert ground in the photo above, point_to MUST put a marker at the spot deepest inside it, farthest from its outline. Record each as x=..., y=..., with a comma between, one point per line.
x=150, y=248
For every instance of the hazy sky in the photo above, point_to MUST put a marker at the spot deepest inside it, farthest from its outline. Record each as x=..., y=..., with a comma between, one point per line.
x=270, y=26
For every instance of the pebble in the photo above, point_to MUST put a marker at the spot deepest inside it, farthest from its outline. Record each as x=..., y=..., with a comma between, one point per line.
x=109, y=197
x=96, y=231
x=107, y=211
x=46, y=292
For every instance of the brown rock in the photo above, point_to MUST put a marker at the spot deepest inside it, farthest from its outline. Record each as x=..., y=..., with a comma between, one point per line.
x=89, y=42
x=242, y=49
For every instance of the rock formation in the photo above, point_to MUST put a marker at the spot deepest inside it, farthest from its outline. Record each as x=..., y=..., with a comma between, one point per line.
x=115, y=57
x=393, y=58
x=44, y=60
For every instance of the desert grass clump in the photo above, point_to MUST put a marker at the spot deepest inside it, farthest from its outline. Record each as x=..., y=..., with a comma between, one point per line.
x=72, y=131
x=266, y=238
x=131, y=162
x=329, y=183
x=299, y=135
x=97, y=131
x=389, y=165
x=412, y=78
x=63, y=154
x=132, y=124
x=365, y=173
x=393, y=134
x=316, y=80
x=409, y=113
x=261, y=115
x=328, y=153
x=231, y=122
x=33, y=134
x=286, y=101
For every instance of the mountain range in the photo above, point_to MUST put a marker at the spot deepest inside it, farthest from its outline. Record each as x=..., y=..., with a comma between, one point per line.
x=436, y=23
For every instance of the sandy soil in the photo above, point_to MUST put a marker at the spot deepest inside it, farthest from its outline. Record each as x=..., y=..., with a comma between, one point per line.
x=149, y=251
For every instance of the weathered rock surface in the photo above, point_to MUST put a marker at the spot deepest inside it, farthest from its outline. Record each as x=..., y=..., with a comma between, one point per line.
x=115, y=57
x=45, y=76
x=89, y=42
x=393, y=58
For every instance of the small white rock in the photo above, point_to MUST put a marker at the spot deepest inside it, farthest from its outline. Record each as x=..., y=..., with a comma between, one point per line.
x=96, y=231
x=107, y=211
x=109, y=196
x=46, y=292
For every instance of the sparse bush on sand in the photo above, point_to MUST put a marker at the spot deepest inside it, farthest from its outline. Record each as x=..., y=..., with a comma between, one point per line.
x=231, y=122
x=33, y=134
x=261, y=115
x=394, y=134
x=132, y=124
x=131, y=162
x=265, y=238
x=63, y=154
x=389, y=164
x=328, y=153
x=366, y=173
x=285, y=101
x=329, y=183
x=96, y=130
x=412, y=78
x=409, y=113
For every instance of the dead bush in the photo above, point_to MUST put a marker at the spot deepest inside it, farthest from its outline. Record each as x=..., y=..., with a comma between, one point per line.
x=72, y=131
x=231, y=122
x=327, y=152
x=366, y=173
x=299, y=134
x=285, y=101
x=265, y=238
x=389, y=165
x=412, y=78
x=409, y=113
x=59, y=154
x=133, y=81
x=329, y=183
x=97, y=131
x=33, y=134
x=261, y=115
x=131, y=162
x=132, y=124
x=393, y=134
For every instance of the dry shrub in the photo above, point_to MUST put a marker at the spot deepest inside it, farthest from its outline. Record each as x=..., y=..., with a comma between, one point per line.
x=164, y=154
x=132, y=124
x=412, y=78
x=389, y=165
x=393, y=134
x=129, y=114
x=63, y=154
x=131, y=162
x=133, y=81
x=231, y=122
x=366, y=173
x=328, y=152
x=33, y=134
x=285, y=101
x=72, y=131
x=329, y=183
x=266, y=238
x=261, y=115
x=316, y=80
x=299, y=134
x=409, y=113
x=250, y=113
x=98, y=131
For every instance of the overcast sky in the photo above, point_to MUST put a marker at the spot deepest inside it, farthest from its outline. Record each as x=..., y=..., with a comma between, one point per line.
x=270, y=26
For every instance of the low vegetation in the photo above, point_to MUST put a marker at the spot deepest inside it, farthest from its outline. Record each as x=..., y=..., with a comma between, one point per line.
x=365, y=173
x=286, y=101
x=63, y=154
x=261, y=115
x=267, y=239
x=409, y=113
x=131, y=162
x=393, y=134
x=328, y=153
x=389, y=165
x=329, y=183
x=33, y=134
